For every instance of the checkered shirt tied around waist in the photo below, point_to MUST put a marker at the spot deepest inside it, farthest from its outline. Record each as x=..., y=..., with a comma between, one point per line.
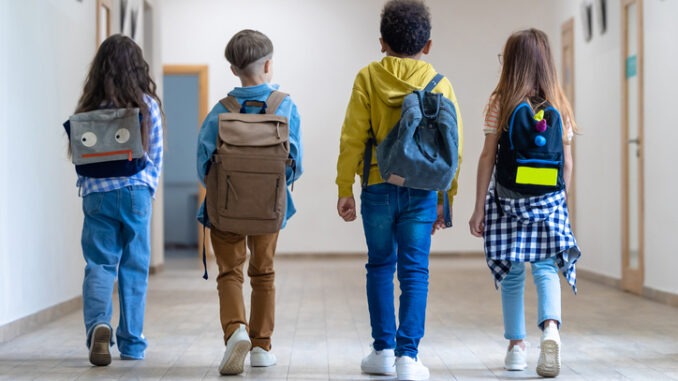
x=148, y=176
x=529, y=229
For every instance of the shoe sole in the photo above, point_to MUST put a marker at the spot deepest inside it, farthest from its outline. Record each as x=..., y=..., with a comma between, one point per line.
x=550, y=367
x=379, y=371
x=99, y=347
x=412, y=376
x=515, y=367
x=261, y=363
x=234, y=362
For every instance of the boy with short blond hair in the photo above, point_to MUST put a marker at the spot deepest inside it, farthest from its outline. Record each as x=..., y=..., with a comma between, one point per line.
x=250, y=54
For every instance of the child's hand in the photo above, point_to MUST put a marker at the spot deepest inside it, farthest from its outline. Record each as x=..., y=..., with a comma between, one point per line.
x=346, y=208
x=440, y=221
x=477, y=223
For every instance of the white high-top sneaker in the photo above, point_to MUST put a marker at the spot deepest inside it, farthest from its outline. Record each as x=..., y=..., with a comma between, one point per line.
x=237, y=347
x=379, y=362
x=408, y=368
x=516, y=358
x=259, y=357
x=549, y=357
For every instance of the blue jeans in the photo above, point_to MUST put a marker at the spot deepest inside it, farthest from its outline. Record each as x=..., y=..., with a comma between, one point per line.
x=547, y=282
x=397, y=223
x=116, y=242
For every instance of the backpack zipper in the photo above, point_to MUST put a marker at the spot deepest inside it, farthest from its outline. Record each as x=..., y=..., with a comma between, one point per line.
x=537, y=161
x=277, y=188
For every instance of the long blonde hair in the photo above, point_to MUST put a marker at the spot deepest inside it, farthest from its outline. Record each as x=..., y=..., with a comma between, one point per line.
x=528, y=71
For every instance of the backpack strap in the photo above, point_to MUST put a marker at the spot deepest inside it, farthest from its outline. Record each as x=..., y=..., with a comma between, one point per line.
x=274, y=100
x=367, y=156
x=231, y=104
x=434, y=82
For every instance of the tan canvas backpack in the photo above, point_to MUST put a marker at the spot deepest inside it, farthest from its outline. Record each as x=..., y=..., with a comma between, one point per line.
x=246, y=184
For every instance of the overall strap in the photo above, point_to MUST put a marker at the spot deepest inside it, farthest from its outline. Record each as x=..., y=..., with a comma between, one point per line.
x=231, y=104
x=434, y=82
x=274, y=100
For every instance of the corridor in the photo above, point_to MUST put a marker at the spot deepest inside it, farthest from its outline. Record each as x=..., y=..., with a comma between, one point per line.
x=322, y=329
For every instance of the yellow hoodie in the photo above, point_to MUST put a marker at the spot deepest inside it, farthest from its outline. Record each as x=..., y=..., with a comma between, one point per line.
x=376, y=98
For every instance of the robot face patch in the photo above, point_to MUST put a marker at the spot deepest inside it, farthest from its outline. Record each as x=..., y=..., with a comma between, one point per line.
x=105, y=135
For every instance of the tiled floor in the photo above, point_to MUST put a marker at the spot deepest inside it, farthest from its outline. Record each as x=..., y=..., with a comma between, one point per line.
x=322, y=330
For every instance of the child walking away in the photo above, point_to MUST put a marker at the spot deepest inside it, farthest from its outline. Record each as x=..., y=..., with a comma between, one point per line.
x=249, y=151
x=398, y=219
x=521, y=209
x=116, y=146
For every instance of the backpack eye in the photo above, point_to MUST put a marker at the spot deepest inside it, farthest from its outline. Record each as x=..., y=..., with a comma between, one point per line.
x=122, y=135
x=88, y=139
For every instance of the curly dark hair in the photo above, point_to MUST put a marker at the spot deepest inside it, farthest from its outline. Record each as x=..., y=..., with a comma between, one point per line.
x=406, y=26
x=119, y=77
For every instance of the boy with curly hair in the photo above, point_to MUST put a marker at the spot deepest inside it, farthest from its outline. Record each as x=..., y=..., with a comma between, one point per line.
x=397, y=221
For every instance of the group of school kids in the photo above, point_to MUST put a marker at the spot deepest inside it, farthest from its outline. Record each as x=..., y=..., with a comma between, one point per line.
x=520, y=207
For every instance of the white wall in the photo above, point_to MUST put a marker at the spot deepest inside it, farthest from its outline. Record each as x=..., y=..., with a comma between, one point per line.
x=40, y=219
x=42, y=70
x=4, y=58
x=598, y=150
x=661, y=135
x=319, y=47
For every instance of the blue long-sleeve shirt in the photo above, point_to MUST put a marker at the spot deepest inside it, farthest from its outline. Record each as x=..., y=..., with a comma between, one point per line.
x=207, y=138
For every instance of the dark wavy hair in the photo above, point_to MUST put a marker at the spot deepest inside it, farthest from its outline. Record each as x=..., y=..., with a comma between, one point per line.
x=406, y=26
x=119, y=77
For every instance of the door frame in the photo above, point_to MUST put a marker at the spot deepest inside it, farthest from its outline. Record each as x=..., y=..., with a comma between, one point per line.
x=103, y=6
x=632, y=279
x=567, y=40
x=202, y=72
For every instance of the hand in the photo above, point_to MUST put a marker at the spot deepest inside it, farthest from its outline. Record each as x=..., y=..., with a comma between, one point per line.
x=440, y=221
x=346, y=208
x=477, y=223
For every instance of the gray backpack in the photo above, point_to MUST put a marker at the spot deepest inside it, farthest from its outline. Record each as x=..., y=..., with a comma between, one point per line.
x=106, y=142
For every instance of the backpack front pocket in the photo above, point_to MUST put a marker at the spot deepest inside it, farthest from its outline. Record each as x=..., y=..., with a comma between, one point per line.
x=538, y=168
x=251, y=188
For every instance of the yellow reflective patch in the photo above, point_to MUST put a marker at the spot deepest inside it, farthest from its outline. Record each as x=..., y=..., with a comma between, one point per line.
x=537, y=176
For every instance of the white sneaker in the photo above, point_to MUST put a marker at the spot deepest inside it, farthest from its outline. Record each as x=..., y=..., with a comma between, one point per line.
x=379, y=362
x=549, y=357
x=237, y=347
x=408, y=368
x=259, y=357
x=516, y=358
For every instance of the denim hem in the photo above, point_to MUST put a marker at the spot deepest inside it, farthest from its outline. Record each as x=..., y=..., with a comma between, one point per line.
x=130, y=357
x=406, y=353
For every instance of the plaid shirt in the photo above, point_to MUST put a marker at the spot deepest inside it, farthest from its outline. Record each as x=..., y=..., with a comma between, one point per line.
x=529, y=229
x=148, y=176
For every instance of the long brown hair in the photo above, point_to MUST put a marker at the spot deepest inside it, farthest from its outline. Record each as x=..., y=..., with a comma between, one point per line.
x=528, y=71
x=119, y=77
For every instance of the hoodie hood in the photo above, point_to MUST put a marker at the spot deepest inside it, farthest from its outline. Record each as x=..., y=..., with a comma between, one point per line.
x=393, y=78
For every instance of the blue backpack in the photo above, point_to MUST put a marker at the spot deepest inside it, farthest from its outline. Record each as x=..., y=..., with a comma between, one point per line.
x=106, y=142
x=530, y=157
x=422, y=149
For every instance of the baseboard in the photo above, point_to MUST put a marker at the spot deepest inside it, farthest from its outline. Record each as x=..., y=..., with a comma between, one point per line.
x=353, y=254
x=663, y=297
x=598, y=278
x=38, y=319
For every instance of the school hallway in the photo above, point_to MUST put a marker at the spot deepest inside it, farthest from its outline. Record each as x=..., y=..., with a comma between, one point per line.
x=322, y=329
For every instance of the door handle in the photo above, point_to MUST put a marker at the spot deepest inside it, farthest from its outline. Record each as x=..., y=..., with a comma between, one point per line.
x=634, y=141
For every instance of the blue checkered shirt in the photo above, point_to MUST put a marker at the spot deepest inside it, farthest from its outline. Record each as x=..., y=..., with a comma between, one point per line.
x=148, y=176
x=529, y=229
